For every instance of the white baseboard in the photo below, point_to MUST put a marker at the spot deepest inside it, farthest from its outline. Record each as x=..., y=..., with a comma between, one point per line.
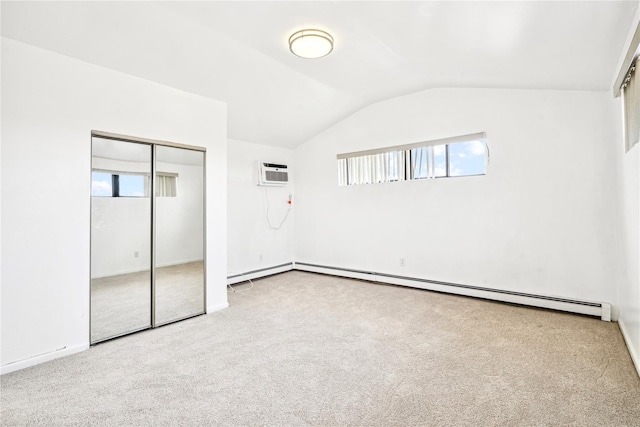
x=352, y=274
x=218, y=307
x=67, y=351
x=256, y=274
x=600, y=309
x=41, y=358
x=632, y=350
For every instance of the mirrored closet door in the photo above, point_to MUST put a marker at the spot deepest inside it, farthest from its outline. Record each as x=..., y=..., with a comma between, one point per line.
x=147, y=235
x=179, y=207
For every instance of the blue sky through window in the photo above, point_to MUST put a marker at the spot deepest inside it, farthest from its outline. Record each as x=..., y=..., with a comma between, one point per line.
x=467, y=158
x=439, y=161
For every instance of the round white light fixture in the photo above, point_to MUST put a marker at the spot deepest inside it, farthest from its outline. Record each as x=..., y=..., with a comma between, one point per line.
x=311, y=43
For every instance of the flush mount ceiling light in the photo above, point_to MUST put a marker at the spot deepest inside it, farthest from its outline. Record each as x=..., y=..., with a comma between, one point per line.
x=311, y=43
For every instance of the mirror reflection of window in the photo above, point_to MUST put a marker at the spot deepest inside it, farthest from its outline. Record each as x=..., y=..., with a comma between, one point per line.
x=119, y=184
x=133, y=186
x=101, y=184
x=166, y=184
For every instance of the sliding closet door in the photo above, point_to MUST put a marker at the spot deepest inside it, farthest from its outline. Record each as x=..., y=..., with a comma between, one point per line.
x=120, y=238
x=179, y=234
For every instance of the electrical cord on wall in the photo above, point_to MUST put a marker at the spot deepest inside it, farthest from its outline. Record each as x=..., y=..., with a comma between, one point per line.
x=271, y=227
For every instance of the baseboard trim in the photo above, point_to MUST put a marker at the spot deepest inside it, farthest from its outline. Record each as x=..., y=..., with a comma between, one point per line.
x=261, y=272
x=42, y=358
x=599, y=309
x=627, y=340
x=217, y=307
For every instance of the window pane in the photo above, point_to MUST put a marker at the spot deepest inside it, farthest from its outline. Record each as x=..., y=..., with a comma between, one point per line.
x=372, y=168
x=101, y=184
x=467, y=158
x=132, y=186
x=342, y=172
x=439, y=161
x=419, y=162
x=393, y=166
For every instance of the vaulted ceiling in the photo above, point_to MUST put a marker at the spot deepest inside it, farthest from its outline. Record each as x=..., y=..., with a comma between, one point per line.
x=237, y=52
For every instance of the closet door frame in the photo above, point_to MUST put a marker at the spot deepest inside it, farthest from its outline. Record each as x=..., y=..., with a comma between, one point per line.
x=152, y=184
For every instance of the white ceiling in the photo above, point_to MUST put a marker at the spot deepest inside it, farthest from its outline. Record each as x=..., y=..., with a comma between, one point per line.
x=237, y=52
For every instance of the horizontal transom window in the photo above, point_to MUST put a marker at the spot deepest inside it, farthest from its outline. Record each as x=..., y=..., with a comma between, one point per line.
x=465, y=155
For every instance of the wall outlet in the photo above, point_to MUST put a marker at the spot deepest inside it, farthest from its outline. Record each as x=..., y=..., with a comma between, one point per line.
x=136, y=254
x=260, y=257
x=402, y=262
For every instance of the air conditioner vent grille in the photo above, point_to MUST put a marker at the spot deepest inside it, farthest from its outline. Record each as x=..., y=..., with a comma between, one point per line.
x=277, y=176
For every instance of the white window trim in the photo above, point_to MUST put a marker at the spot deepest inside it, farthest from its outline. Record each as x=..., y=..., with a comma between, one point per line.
x=371, y=167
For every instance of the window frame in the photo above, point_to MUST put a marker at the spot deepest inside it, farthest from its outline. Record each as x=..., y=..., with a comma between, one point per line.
x=345, y=176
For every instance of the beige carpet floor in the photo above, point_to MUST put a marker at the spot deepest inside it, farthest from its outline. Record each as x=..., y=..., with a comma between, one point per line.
x=304, y=349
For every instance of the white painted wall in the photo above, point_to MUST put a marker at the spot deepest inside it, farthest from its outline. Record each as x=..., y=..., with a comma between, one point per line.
x=627, y=168
x=50, y=104
x=249, y=235
x=540, y=222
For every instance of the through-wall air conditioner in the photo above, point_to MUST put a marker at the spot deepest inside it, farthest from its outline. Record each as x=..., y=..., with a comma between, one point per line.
x=272, y=174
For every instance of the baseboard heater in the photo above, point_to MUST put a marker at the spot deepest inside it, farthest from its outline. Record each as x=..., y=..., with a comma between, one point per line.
x=261, y=272
x=598, y=309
